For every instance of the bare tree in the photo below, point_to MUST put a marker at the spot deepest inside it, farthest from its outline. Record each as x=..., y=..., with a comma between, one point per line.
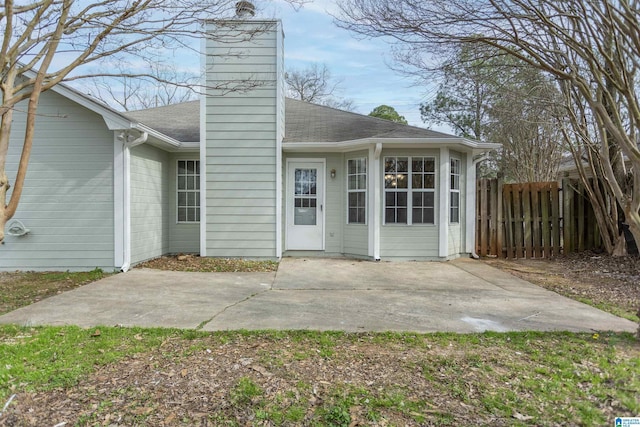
x=591, y=48
x=316, y=84
x=46, y=42
x=492, y=97
x=169, y=86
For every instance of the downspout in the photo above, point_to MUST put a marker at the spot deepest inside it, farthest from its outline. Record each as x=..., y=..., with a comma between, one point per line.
x=127, y=195
x=476, y=160
x=138, y=141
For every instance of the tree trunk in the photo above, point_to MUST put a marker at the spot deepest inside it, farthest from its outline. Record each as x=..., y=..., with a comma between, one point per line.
x=633, y=219
x=4, y=187
x=11, y=207
x=5, y=132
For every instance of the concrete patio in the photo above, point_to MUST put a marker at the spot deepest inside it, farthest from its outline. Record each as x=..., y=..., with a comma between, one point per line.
x=463, y=295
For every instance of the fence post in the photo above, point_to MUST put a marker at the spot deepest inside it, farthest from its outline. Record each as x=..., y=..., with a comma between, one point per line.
x=499, y=217
x=555, y=218
x=545, y=197
x=567, y=215
x=536, y=190
x=579, y=243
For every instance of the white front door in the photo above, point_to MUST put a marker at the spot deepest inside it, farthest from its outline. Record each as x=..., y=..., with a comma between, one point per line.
x=305, y=205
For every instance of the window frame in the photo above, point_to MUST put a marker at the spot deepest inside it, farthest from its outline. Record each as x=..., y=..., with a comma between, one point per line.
x=410, y=190
x=453, y=178
x=195, y=190
x=357, y=190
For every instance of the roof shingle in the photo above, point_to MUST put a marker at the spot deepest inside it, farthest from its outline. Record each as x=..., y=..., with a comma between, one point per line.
x=304, y=122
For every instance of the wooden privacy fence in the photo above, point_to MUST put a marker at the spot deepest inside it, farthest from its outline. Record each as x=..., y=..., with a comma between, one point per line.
x=525, y=220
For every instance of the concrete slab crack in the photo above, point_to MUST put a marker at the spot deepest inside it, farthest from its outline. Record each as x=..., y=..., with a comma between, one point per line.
x=235, y=304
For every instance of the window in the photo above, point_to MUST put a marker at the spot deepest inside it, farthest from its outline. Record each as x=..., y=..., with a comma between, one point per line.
x=409, y=186
x=188, y=191
x=454, y=198
x=357, y=191
x=423, y=181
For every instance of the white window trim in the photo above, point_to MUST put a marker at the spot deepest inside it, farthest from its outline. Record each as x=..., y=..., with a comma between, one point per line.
x=409, y=191
x=455, y=190
x=195, y=191
x=365, y=191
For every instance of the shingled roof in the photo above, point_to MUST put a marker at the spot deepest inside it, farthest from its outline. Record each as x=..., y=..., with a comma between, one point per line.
x=179, y=121
x=304, y=122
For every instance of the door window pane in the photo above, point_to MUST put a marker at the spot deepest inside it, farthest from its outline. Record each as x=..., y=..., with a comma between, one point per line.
x=305, y=203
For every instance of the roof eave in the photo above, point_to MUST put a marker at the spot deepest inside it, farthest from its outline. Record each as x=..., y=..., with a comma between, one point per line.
x=342, y=146
x=164, y=141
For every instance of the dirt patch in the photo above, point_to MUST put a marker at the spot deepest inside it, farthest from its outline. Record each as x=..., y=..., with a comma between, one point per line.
x=189, y=262
x=18, y=289
x=605, y=281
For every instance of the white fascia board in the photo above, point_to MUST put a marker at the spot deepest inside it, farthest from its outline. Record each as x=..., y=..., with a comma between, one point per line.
x=337, y=147
x=113, y=118
x=190, y=146
x=343, y=146
x=164, y=140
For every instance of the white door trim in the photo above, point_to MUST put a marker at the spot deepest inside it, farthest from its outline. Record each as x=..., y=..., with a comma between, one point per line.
x=322, y=163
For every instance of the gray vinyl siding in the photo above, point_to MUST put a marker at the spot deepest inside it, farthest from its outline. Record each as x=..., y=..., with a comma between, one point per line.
x=241, y=149
x=356, y=240
x=67, y=201
x=334, y=203
x=419, y=241
x=409, y=242
x=149, y=203
x=183, y=237
x=356, y=236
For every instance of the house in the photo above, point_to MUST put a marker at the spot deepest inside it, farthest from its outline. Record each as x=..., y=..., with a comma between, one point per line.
x=237, y=174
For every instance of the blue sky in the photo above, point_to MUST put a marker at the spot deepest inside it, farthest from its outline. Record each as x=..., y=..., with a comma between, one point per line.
x=361, y=64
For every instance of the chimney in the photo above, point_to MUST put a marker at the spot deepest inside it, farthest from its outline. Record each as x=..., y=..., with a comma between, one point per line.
x=242, y=125
x=245, y=9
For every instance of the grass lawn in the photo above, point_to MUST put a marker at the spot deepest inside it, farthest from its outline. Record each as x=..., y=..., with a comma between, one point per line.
x=24, y=288
x=130, y=376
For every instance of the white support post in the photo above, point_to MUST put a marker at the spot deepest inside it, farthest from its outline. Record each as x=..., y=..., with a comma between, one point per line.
x=443, y=204
x=203, y=151
x=118, y=201
x=470, y=217
x=376, y=179
x=280, y=113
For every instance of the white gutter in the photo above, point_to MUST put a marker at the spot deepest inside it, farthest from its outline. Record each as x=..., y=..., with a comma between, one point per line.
x=343, y=146
x=167, y=140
